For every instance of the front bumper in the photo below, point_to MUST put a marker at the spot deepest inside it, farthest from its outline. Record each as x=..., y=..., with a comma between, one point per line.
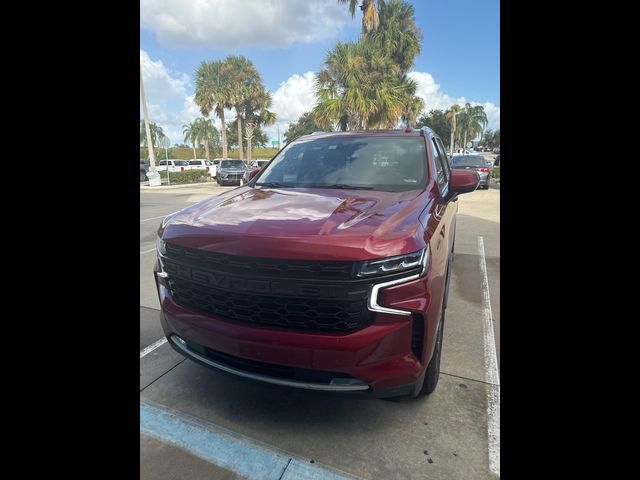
x=379, y=360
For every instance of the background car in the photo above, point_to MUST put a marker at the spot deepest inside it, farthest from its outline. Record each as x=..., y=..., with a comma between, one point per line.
x=230, y=172
x=144, y=168
x=172, y=165
x=474, y=162
x=201, y=164
x=496, y=163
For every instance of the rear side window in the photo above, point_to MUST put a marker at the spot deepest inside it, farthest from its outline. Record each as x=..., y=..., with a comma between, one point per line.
x=163, y=162
x=442, y=175
x=194, y=162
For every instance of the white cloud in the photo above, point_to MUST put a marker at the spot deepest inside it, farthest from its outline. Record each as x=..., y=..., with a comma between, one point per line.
x=233, y=24
x=161, y=83
x=292, y=98
x=434, y=98
x=171, y=104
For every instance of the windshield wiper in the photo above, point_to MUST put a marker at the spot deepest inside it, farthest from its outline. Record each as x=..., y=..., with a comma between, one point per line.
x=271, y=185
x=343, y=185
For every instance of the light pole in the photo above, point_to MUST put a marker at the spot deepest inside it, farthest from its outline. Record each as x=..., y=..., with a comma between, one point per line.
x=152, y=157
x=165, y=142
x=278, y=135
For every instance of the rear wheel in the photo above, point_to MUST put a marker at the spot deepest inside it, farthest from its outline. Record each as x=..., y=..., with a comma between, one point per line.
x=143, y=177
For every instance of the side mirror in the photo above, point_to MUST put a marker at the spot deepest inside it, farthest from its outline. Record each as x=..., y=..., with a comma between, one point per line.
x=463, y=181
x=254, y=172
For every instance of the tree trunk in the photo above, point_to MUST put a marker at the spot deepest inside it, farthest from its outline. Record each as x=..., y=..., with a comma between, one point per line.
x=152, y=157
x=195, y=155
x=451, y=146
x=239, y=118
x=206, y=144
x=223, y=135
x=248, y=126
x=464, y=143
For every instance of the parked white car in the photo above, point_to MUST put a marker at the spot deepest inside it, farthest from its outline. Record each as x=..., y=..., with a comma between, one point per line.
x=173, y=165
x=463, y=151
x=201, y=164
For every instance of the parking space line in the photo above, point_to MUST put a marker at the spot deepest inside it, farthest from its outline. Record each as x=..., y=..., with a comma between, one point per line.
x=148, y=251
x=491, y=368
x=227, y=449
x=152, y=347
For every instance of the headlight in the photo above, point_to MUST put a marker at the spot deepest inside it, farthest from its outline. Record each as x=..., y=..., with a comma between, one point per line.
x=395, y=264
x=161, y=247
x=223, y=174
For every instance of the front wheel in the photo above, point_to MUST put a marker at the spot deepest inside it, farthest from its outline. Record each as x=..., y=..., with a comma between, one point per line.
x=143, y=177
x=433, y=370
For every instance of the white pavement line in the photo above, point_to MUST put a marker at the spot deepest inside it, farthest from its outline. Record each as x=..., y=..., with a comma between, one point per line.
x=491, y=369
x=153, y=218
x=152, y=347
x=232, y=451
x=148, y=251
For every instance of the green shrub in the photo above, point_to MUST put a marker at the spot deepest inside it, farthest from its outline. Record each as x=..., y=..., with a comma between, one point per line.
x=187, y=153
x=496, y=172
x=188, y=176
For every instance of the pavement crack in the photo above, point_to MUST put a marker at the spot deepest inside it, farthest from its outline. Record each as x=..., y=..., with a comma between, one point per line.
x=285, y=469
x=154, y=381
x=470, y=379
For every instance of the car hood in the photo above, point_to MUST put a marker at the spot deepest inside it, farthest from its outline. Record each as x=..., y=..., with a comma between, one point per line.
x=302, y=223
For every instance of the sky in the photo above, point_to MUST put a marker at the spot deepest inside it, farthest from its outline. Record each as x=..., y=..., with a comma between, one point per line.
x=287, y=41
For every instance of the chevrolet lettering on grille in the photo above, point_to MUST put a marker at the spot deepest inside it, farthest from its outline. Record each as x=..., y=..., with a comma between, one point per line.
x=227, y=282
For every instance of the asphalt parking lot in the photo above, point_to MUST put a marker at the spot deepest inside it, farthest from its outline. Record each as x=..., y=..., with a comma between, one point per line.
x=197, y=423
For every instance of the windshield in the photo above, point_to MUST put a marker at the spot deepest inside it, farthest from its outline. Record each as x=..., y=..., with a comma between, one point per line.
x=232, y=164
x=469, y=161
x=366, y=162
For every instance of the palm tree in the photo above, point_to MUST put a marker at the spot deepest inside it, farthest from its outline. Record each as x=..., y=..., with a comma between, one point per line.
x=370, y=18
x=398, y=36
x=213, y=93
x=451, y=114
x=206, y=130
x=257, y=114
x=361, y=88
x=156, y=134
x=190, y=132
x=473, y=120
x=243, y=78
x=413, y=108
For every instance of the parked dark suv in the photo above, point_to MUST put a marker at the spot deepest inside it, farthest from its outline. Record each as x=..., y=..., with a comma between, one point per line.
x=328, y=271
x=144, y=168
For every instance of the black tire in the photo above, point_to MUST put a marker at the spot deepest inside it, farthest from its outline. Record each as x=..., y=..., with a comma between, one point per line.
x=143, y=177
x=433, y=370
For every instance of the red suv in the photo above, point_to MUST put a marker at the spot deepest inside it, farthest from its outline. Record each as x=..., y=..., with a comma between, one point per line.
x=328, y=271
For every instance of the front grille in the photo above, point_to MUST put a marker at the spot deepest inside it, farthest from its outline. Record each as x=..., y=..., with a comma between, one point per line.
x=291, y=294
x=261, y=266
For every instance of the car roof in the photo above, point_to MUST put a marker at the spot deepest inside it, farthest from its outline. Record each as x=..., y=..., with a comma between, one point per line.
x=413, y=132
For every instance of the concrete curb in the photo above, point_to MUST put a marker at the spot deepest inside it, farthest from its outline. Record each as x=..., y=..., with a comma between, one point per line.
x=166, y=187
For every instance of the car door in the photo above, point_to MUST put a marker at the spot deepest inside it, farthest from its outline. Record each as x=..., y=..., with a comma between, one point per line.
x=451, y=209
x=441, y=224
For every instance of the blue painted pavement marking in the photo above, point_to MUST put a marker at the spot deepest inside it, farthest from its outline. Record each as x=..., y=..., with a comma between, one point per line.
x=239, y=455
